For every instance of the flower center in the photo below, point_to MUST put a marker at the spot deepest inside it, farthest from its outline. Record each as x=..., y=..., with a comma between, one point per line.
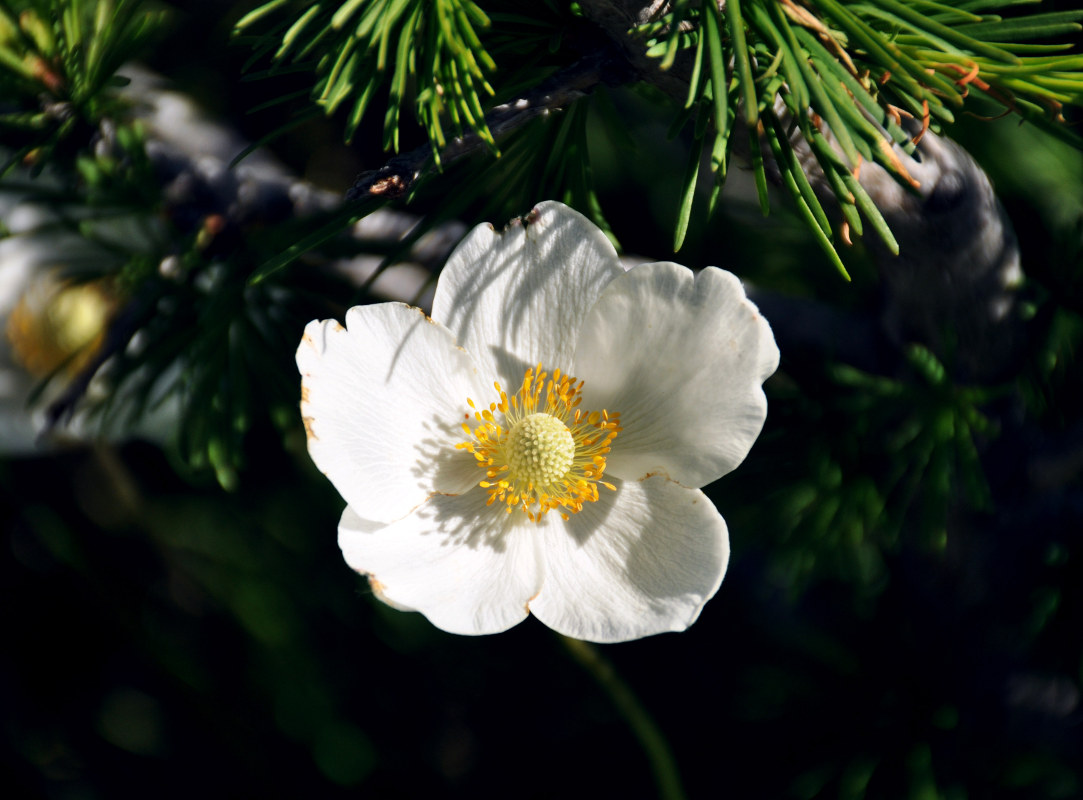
x=539, y=450
x=57, y=326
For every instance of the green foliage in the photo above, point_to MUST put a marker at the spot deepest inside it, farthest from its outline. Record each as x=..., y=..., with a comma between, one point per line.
x=547, y=158
x=215, y=341
x=443, y=62
x=106, y=215
x=1054, y=386
x=179, y=278
x=424, y=48
x=908, y=461
x=846, y=74
x=58, y=61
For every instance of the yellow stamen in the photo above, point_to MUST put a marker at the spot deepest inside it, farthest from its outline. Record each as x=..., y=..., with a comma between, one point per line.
x=551, y=453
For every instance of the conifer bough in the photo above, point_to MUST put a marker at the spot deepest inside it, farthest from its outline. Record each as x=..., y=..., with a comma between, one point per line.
x=846, y=83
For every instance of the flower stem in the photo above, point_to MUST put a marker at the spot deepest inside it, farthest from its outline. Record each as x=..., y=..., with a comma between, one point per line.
x=643, y=726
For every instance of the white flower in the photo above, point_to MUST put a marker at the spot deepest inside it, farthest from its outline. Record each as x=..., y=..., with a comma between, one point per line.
x=484, y=483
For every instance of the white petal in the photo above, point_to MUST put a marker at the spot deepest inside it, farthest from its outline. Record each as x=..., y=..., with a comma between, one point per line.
x=468, y=567
x=640, y=561
x=518, y=298
x=383, y=401
x=682, y=358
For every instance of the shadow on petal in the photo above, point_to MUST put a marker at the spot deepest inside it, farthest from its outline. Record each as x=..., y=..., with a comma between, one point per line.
x=582, y=526
x=663, y=565
x=642, y=563
x=465, y=520
x=519, y=297
x=451, y=471
x=393, y=364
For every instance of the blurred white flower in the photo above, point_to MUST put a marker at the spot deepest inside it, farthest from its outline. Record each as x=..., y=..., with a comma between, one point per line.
x=485, y=483
x=46, y=327
x=50, y=329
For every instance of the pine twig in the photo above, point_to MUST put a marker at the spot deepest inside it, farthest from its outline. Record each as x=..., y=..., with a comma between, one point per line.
x=400, y=174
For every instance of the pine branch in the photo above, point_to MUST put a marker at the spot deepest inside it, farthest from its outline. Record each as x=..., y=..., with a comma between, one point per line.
x=402, y=173
x=190, y=156
x=952, y=283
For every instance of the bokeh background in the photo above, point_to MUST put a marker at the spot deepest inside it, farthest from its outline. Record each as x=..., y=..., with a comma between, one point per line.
x=902, y=617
